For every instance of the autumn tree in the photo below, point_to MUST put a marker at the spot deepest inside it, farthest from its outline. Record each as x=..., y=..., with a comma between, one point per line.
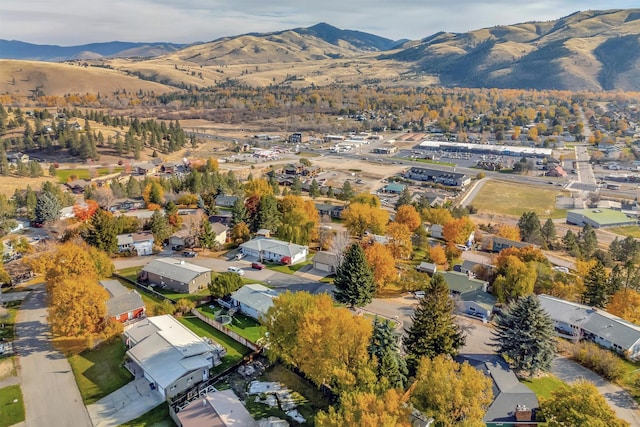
x=409, y=216
x=382, y=263
x=578, y=404
x=359, y=218
x=437, y=255
x=625, y=304
x=240, y=233
x=458, y=230
x=84, y=213
x=354, y=281
x=510, y=232
x=77, y=307
x=153, y=193
x=366, y=409
x=366, y=199
x=515, y=280
x=463, y=392
x=399, y=240
x=433, y=330
x=439, y=216
x=258, y=187
x=525, y=334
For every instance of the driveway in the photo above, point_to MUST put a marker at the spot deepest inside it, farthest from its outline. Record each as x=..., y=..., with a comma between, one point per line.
x=125, y=404
x=619, y=400
x=49, y=388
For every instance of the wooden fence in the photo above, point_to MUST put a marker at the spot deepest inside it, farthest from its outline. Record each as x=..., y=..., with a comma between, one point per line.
x=231, y=334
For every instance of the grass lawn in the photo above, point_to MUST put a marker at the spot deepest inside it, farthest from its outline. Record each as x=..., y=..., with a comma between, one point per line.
x=100, y=372
x=130, y=272
x=633, y=231
x=433, y=162
x=157, y=417
x=287, y=269
x=11, y=413
x=631, y=380
x=506, y=198
x=544, y=386
x=195, y=297
x=63, y=175
x=7, y=326
x=235, y=350
x=242, y=325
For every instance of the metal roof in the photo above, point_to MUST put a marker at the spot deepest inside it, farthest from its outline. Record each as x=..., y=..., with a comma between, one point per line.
x=175, y=269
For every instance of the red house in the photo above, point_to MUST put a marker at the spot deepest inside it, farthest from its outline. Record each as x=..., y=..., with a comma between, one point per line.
x=123, y=304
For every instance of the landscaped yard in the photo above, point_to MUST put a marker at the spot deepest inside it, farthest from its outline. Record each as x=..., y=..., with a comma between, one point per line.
x=633, y=231
x=235, y=350
x=631, y=380
x=514, y=199
x=100, y=372
x=244, y=326
x=130, y=272
x=63, y=175
x=287, y=269
x=157, y=417
x=7, y=324
x=544, y=386
x=11, y=413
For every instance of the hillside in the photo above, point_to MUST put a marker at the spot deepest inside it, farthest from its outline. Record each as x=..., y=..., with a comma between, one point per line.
x=592, y=50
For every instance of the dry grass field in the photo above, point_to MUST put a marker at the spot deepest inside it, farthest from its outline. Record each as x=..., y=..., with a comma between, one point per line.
x=9, y=184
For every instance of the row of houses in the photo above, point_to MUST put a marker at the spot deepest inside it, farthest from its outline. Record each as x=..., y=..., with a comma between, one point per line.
x=450, y=179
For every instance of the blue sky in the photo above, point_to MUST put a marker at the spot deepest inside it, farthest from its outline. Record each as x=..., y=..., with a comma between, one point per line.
x=72, y=22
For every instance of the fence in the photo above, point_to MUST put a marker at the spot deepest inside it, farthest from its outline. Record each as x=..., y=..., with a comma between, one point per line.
x=231, y=334
x=145, y=288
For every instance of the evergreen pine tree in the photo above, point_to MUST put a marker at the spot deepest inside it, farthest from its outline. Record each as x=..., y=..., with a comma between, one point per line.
x=354, y=279
x=404, y=198
x=102, y=232
x=238, y=212
x=548, y=233
x=47, y=207
x=207, y=237
x=596, y=292
x=529, y=225
x=314, y=189
x=347, y=191
x=133, y=188
x=587, y=241
x=525, y=335
x=392, y=368
x=433, y=330
x=268, y=214
x=159, y=226
x=296, y=186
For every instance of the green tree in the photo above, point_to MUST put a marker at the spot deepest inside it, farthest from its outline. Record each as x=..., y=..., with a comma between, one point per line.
x=296, y=186
x=47, y=207
x=570, y=243
x=404, y=198
x=383, y=349
x=224, y=284
x=314, y=189
x=102, y=232
x=587, y=241
x=133, y=188
x=354, y=284
x=529, y=226
x=238, y=212
x=433, y=330
x=52, y=170
x=206, y=236
x=268, y=214
x=31, y=200
x=159, y=226
x=347, y=191
x=548, y=233
x=596, y=289
x=578, y=404
x=525, y=334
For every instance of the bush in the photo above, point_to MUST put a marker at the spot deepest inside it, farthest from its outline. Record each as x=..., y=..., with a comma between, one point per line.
x=595, y=358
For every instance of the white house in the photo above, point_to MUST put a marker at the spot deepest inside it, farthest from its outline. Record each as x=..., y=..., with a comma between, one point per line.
x=577, y=321
x=140, y=243
x=253, y=300
x=274, y=250
x=169, y=355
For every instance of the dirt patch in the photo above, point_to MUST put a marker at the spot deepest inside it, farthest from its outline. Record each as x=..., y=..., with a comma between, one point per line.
x=7, y=368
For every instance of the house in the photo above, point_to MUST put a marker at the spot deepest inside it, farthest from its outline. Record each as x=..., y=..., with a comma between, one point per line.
x=333, y=211
x=436, y=231
x=167, y=354
x=325, y=261
x=433, y=199
x=123, y=304
x=514, y=404
x=451, y=179
x=183, y=237
x=17, y=157
x=263, y=232
x=577, y=321
x=599, y=218
x=556, y=171
x=127, y=204
x=226, y=201
x=77, y=186
x=140, y=243
x=471, y=294
x=141, y=214
x=467, y=267
x=169, y=167
x=217, y=409
x=224, y=218
x=146, y=169
x=253, y=300
x=176, y=274
x=427, y=267
x=496, y=243
x=274, y=250
x=393, y=188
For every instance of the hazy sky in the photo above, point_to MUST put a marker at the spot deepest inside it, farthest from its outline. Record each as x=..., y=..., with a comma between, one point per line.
x=72, y=22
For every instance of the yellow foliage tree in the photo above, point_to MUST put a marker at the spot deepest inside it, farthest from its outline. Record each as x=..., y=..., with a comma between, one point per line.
x=464, y=393
x=383, y=264
x=362, y=409
x=360, y=218
x=409, y=216
x=507, y=231
x=439, y=216
x=458, y=230
x=626, y=304
x=366, y=199
x=438, y=255
x=399, y=243
x=78, y=307
x=516, y=280
x=258, y=187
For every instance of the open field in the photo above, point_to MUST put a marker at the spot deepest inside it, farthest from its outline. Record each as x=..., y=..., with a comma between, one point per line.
x=99, y=372
x=9, y=184
x=504, y=198
x=633, y=231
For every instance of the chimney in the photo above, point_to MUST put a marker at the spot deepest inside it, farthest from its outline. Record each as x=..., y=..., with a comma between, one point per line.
x=523, y=413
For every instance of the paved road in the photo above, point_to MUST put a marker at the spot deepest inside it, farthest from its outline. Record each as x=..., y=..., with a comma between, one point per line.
x=50, y=392
x=621, y=402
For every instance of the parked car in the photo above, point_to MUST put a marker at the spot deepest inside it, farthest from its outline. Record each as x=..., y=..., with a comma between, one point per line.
x=189, y=254
x=257, y=265
x=177, y=247
x=236, y=270
x=239, y=255
x=418, y=294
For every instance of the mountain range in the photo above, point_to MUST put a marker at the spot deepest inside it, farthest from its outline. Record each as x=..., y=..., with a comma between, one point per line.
x=586, y=51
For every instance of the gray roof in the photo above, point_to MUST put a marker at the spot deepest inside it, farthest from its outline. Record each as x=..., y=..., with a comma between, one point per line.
x=175, y=269
x=468, y=265
x=273, y=245
x=122, y=300
x=599, y=322
x=218, y=227
x=509, y=242
x=427, y=266
x=508, y=392
x=256, y=296
x=226, y=199
x=324, y=257
x=114, y=287
x=461, y=283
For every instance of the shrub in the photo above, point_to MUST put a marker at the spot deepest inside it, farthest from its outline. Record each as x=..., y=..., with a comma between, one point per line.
x=596, y=358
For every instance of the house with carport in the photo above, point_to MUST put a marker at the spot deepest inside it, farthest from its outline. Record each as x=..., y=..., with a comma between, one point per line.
x=274, y=250
x=169, y=355
x=176, y=274
x=577, y=321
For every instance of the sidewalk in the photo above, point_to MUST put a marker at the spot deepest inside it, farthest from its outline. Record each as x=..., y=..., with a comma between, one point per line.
x=125, y=404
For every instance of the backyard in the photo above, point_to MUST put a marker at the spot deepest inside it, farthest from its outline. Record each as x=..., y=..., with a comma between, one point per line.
x=242, y=325
x=99, y=372
x=157, y=417
x=64, y=175
x=543, y=387
x=507, y=198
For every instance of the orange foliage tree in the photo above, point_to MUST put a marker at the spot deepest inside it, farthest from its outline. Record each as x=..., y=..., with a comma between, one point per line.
x=458, y=230
x=511, y=232
x=626, y=304
x=382, y=263
x=409, y=216
x=84, y=213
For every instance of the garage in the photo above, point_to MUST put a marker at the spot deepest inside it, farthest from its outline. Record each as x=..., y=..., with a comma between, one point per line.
x=325, y=261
